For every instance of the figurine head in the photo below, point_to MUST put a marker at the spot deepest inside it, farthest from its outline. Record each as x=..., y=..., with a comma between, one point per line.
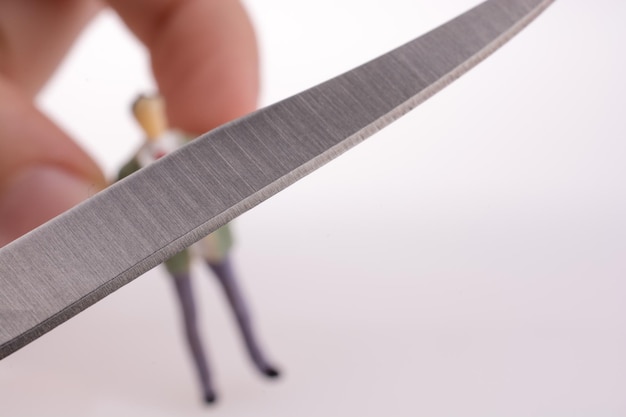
x=150, y=114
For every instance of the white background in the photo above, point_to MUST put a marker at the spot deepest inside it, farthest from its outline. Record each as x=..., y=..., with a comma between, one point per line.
x=467, y=261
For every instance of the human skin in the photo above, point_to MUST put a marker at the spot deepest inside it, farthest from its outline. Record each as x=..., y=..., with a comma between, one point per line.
x=204, y=59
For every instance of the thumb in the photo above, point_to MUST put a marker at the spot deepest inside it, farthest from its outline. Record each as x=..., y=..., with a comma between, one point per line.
x=42, y=171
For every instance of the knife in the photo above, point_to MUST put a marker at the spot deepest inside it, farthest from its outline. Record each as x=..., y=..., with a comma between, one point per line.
x=59, y=269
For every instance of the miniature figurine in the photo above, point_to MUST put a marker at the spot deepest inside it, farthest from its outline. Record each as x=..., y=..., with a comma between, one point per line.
x=149, y=111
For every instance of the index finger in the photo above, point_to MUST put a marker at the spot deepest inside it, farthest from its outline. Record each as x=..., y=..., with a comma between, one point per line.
x=204, y=57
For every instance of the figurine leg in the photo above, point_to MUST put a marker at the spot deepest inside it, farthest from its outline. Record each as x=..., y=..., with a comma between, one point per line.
x=182, y=283
x=224, y=272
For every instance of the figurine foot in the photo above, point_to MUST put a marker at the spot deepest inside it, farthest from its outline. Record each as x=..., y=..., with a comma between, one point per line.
x=210, y=398
x=270, y=372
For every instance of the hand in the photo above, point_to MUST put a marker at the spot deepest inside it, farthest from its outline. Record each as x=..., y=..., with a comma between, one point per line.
x=204, y=60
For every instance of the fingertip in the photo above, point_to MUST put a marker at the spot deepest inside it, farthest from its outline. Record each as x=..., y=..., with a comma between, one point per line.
x=206, y=63
x=204, y=57
x=42, y=171
x=35, y=195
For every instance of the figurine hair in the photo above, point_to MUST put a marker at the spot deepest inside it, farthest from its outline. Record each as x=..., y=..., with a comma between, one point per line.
x=141, y=97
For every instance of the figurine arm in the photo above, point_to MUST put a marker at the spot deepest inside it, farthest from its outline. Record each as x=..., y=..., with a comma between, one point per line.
x=128, y=168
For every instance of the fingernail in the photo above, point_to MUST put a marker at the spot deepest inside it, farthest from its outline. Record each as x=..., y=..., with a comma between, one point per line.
x=36, y=195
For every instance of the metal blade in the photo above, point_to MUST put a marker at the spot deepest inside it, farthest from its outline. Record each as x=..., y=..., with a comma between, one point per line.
x=54, y=272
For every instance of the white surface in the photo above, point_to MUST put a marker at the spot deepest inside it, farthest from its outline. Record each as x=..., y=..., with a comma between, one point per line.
x=496, y=287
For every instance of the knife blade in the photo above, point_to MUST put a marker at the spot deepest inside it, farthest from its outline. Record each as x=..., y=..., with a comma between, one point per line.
x=54, y=272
